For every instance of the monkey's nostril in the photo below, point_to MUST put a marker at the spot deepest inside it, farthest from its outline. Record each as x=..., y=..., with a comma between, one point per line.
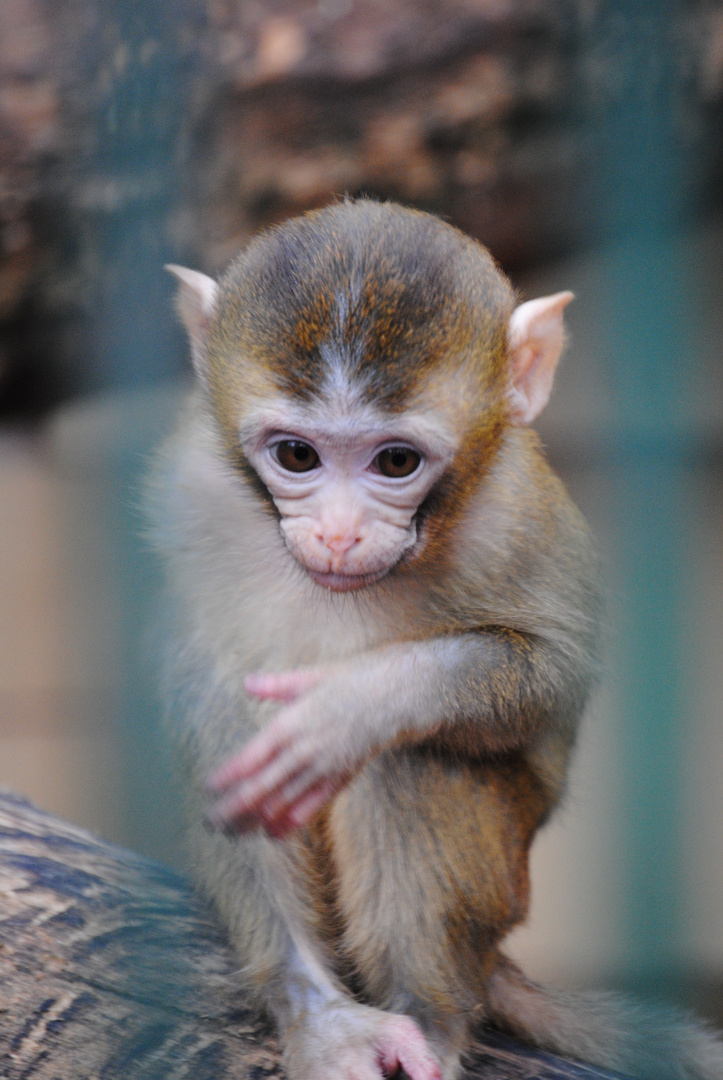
x=339, y=545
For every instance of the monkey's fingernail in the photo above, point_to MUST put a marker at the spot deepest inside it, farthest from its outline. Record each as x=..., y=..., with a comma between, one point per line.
x=217, y=782
x=253, y=684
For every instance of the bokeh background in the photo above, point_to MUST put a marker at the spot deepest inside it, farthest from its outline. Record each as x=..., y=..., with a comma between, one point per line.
x=581, y=141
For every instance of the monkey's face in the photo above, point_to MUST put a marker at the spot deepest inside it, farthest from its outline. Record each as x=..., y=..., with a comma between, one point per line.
x=365, y=360
x=347, y=483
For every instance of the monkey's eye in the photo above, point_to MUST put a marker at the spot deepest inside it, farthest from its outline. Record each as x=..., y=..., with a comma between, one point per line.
x=397, y=461
x=295, y=456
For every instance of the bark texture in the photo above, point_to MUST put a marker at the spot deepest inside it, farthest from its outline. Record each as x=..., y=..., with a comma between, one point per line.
x=110, y=967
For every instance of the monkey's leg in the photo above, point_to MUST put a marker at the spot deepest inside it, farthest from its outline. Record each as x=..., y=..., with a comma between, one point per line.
x=270, y=897
x=431, y=860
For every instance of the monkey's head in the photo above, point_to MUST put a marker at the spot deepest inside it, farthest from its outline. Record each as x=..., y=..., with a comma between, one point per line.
x=361, y=364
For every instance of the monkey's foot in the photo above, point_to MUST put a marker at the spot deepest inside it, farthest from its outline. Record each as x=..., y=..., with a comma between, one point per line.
x=354, y=1042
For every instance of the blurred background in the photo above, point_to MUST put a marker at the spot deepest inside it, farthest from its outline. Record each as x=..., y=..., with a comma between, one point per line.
x=581, y=141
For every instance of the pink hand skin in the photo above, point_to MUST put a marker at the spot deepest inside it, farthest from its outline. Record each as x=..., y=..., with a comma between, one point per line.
x=406, y=1048
x=274, y=782
x=360, y=1043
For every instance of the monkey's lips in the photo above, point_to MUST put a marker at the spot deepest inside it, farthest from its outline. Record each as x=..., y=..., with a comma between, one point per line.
x=345, y=582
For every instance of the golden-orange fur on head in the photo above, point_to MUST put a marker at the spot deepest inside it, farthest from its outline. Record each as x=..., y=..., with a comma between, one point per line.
x=404, y=307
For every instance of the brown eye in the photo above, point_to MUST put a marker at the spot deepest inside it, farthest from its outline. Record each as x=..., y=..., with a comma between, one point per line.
x=296, y=456
x=397, y=461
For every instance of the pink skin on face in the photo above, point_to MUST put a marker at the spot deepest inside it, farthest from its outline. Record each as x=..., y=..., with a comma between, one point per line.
x=266, y=784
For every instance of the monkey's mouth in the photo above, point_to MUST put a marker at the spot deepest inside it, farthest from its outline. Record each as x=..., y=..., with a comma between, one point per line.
x=345, y=582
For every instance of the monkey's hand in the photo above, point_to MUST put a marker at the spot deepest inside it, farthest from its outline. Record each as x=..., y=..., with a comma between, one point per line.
x=332, y=720
x=286, y=773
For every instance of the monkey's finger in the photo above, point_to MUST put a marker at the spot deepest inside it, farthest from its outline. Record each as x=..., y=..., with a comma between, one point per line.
x=419, y=1065
x=266, y=794
x=276, y=795
x=403, y=1045
x=254, y=756
x=278, y=829
x=282, y=780
x=278, y=816
x=280, y=823
x=295, y=804
x=305, y=808
x=284, y=686
x=237, y=814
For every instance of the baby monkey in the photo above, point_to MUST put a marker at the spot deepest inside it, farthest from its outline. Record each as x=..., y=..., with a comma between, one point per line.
x=383, y=621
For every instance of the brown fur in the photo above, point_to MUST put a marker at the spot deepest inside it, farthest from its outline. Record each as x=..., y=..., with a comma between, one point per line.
x=401, y=299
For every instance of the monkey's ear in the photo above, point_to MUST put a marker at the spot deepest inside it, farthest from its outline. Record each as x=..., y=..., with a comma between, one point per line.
x=195, y=303
x=535, y=336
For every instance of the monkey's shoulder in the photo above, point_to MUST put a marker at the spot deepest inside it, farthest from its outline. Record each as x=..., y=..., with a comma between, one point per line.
x=524, y=556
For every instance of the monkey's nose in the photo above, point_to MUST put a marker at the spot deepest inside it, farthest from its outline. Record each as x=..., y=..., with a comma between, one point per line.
x=340, y=544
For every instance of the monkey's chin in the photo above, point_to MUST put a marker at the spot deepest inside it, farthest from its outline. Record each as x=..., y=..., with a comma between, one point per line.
x=345, y=582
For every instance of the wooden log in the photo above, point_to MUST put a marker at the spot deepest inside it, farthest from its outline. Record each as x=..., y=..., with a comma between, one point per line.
x=112, y=968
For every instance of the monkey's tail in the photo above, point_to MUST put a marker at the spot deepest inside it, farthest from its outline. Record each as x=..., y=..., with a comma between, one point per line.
x=604, y=1029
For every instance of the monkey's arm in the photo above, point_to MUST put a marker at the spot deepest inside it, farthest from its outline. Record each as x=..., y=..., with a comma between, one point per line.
x=476, y=693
